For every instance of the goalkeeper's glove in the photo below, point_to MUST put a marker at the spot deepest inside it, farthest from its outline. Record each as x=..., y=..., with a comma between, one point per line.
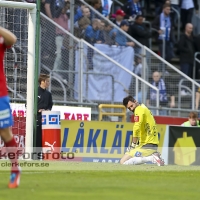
x=132, y=146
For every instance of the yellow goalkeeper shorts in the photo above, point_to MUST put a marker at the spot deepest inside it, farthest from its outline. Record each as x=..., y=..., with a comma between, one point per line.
x=140, y=152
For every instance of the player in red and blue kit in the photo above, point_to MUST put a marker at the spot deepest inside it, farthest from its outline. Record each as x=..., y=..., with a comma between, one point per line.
x=7, y=39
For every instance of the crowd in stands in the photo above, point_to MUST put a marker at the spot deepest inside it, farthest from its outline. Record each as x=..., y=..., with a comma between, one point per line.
x=130, y=18
x=133, y=12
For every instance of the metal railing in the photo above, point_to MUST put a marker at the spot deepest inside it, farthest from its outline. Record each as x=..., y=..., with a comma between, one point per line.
x=16, y=94
x=104, y=18
x=57, y=78
x=189, y=92
x=196, y=60
x=102, y=74
x=179, y=22
x=179, y=82
x=14, y=89
x=52, y=76
x=150, y=29
x=151, y=61
x=147, y=22
x=116, y=2
x=122, y=112
x=128, y=71
x=174, y=68
x=138, y=46
x=196, y=22
x=79, y=47
x=14, y=73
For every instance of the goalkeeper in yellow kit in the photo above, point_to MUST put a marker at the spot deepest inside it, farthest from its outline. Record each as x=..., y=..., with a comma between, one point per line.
x=145, y=133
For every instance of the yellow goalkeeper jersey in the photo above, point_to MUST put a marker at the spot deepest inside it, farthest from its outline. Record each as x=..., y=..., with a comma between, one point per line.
x=145, y=126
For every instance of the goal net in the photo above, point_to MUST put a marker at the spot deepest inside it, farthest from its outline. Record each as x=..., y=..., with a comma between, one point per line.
x=19, y=62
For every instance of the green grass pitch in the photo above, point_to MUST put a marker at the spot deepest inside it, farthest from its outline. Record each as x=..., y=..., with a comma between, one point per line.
x=107, y=181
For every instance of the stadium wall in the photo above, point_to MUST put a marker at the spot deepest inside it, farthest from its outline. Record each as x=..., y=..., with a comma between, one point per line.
x=92, y=141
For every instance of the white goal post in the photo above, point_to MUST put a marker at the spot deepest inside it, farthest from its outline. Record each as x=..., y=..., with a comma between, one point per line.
x=30, y=66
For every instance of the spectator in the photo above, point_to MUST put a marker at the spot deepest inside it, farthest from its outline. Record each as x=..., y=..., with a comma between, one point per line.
x=50, y=8
x=132, y=8
x=101, y=30
x=120, y=38
x=192, y=120
x=92, y=35
x=197, y=99
x=49, y=45
x=175, y=5
x=78, y=12
x=137, y=69
x=138, y=66
x=61, y=20
x=173, y=15
x=101, y=25
x=197, y=48
x=83, y=23
x=164, y=91
x=86, y=12
x=187, y=9
x=96, y=4
x=139, y=32
x=106, y=6
x=119, y=17
x=89, y=1
x=58, y=6
x=158, y=6
x=186, y=51
x=92, y=32
x=42, y=9
x=147, y=4
x=163, y=25
x=107, y=39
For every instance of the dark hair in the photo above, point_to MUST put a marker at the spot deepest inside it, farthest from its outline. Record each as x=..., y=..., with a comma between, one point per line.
x=103, y=21
x=84, y=21
x=43, y=77
x=93, y=2
x=107, y=24
x=127, y=99
x=138, y=16
x=124, y=23
x=88, y=1
x=193, y=115
x=166, y=5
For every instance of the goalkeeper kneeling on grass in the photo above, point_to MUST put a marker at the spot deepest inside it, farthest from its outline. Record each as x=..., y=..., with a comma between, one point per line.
x=145, y=132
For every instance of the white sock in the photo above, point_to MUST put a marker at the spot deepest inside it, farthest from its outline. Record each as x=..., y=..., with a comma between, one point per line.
x=138, y=160
x=148, y=159
x=133, y=161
